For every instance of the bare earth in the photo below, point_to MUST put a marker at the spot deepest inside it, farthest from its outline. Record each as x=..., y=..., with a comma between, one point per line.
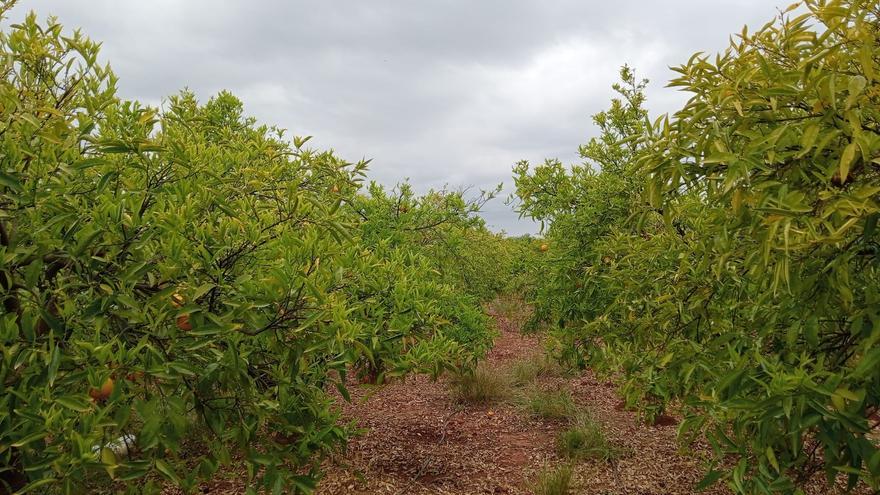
x=418, y=440
x=421, y=441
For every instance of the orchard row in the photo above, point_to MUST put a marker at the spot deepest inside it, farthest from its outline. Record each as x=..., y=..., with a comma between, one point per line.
x=723, y=261
x=182, y=286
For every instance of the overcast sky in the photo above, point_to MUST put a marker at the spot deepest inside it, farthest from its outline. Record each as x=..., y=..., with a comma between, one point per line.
x=441, y=92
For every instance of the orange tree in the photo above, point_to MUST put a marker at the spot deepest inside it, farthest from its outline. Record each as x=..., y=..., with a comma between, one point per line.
x=746, y=289
x=179, y=286
x=445, y=227
x=579, y=205
x=429, y=262
x=523, y=253
x=772, y=170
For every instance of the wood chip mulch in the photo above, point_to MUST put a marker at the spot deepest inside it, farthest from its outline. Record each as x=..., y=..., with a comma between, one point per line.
x=419, y=440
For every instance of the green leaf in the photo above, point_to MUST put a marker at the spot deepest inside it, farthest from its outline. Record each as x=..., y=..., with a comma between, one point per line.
x=771, y=457
x=846, y=159
x=30, y=487
x=10, y=181
x=33, y=437
x=54, y=363
x=166, y=470
x=343, y=391
x=708, y=480
x=870, y=227
x=857, y=84
x=811, y=330
x=73, y=403
x=108, y=458
x=87, y=163
x=808, y=139
x=202, y=290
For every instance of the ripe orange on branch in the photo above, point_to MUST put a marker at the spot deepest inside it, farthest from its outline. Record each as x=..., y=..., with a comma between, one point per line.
x=104, y=392
x=184, y=323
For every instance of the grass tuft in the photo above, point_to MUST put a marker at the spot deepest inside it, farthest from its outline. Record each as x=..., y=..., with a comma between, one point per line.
x=485, y=384
x=548, y=403
x=584, y=439
x=527, y=370
x=553, y=480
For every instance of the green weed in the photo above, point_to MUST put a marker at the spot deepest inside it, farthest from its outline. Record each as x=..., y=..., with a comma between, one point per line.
x=553, y=480
x=527, y=370
x=547, y=403
x=485, y=384
x=584, y=439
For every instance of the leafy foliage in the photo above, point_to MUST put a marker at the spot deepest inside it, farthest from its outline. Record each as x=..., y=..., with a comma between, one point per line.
x=743, y=283
x=585, y=203
x=185, y=283
x=443, y=227
x=782, y=165
x=424, y=290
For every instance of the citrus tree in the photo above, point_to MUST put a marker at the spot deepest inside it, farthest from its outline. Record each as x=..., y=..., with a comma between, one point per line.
x=163, y=279
x=743, y=287
x=182, y=285
x=772, y=170
x=445, y=227
x=580, y=205
x=427, y=272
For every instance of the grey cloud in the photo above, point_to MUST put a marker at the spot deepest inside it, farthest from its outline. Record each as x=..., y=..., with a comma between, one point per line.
x=443, y=92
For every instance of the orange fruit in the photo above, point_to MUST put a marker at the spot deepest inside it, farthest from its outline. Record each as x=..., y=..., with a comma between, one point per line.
x=183, y=323
x=544, y=248
x=103, y=393
x=334, y=189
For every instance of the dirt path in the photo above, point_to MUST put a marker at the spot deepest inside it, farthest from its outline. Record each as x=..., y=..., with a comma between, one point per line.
x=421, y=441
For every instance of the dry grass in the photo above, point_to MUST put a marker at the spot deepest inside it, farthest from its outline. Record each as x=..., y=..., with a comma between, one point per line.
x=528, y=370
x=484, y=385
x=547, y=403
x=553, y=480
x=584, y=439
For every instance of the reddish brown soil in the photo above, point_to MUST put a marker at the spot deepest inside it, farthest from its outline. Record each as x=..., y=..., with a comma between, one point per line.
x=418, y=440
x=421, y=441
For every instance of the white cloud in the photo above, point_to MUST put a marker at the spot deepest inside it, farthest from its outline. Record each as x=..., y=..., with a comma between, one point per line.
x=451, y=92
